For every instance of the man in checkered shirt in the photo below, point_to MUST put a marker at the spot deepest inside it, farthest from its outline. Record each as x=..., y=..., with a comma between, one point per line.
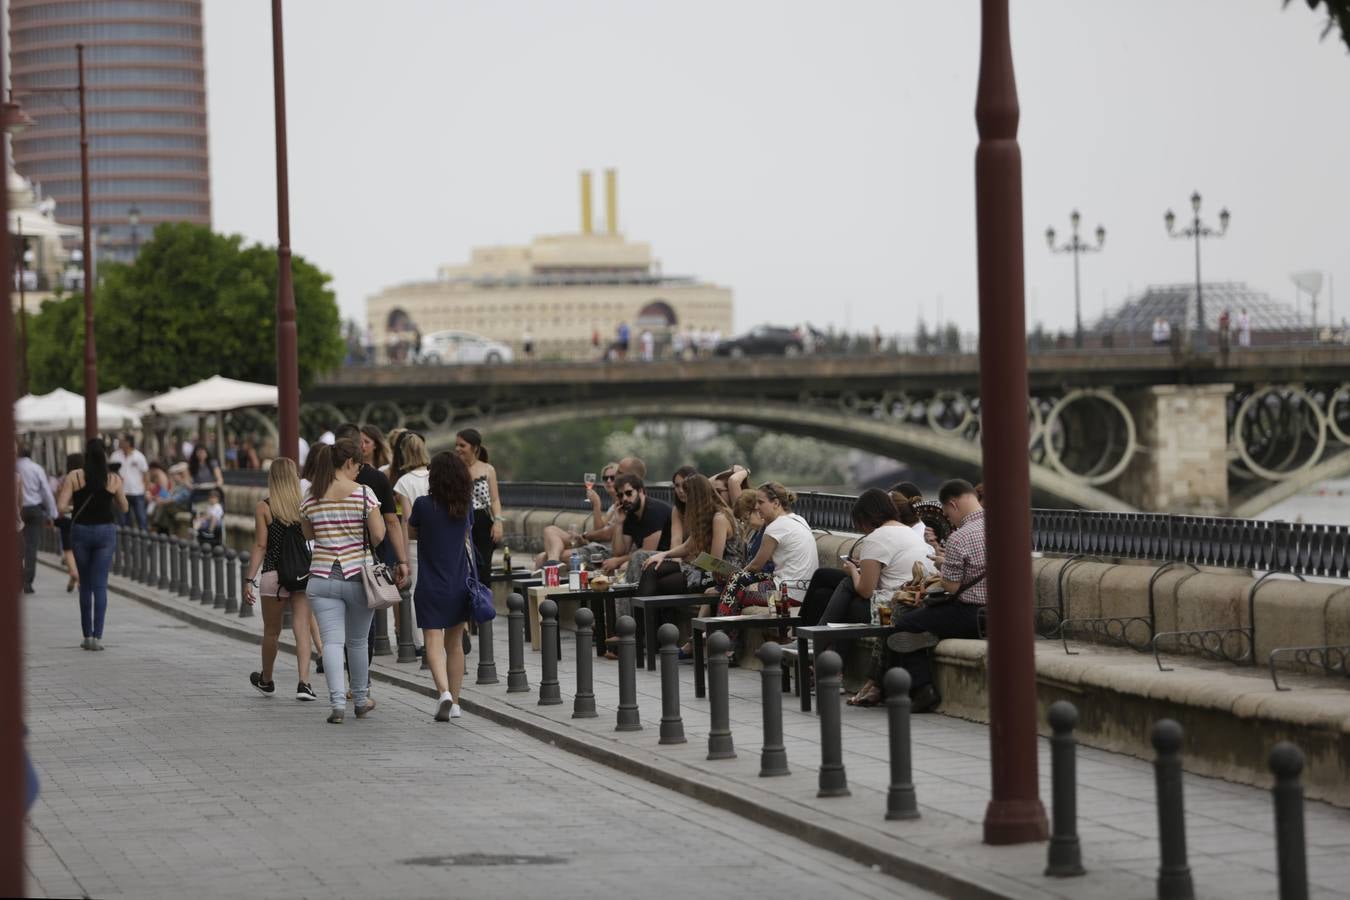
x=963, y=567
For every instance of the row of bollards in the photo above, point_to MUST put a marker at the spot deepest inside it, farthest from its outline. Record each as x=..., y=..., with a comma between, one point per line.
x=211, y=575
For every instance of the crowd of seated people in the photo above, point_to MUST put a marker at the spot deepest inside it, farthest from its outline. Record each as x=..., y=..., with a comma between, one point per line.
x=768, y=553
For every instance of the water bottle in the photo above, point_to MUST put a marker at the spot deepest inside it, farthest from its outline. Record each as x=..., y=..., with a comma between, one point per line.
x=506, y=558
x=574, y=572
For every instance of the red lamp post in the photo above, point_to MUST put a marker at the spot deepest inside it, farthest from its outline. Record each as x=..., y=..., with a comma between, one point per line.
x=1015, y=814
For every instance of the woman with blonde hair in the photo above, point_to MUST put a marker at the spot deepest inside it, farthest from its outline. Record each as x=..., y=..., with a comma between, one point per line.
x=414, y=482
x=274, y=516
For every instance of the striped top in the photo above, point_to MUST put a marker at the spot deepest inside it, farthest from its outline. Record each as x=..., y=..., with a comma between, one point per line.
x=340, y=532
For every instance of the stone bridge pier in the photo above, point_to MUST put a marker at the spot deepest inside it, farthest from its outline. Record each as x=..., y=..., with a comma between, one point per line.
x=1181, y=463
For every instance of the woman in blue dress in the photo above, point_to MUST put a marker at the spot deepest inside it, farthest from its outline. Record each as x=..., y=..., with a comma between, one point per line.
x=441, y=522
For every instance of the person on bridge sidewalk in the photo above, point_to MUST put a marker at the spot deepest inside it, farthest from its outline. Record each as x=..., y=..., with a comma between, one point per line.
x=37, y=506
x=962, y=565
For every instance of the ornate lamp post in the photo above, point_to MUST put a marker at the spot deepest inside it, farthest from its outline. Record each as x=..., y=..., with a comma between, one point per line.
x=1197, y=230
x=1076, y=246
x=134, y=219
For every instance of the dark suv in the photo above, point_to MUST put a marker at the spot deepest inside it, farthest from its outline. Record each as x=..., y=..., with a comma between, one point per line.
x=762, y=340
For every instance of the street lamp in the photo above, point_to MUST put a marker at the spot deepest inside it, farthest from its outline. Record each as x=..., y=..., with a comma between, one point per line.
x=1197, y=230
x=288, y=368
x=23, y=311
x=134, y=218
x=90, y=352
x=1076, y=246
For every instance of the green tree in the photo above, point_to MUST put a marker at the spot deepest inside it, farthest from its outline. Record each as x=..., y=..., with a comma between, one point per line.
x=193, y=304
x=56, y=345
x=1338, y=14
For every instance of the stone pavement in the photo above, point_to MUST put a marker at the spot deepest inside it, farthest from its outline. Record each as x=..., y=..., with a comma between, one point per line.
x=164, y=774
x=1230, y=827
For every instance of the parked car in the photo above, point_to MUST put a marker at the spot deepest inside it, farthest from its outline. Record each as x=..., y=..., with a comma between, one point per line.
x=762, y=340
x=461, y=347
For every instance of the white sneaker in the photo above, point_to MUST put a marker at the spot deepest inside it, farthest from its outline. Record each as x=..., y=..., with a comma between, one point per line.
x=445, y=707
x=455, y=711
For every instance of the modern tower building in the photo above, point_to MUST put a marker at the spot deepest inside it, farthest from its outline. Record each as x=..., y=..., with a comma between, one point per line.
x=146, y=108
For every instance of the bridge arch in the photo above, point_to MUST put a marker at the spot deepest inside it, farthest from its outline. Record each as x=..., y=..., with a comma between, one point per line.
x=900, y=440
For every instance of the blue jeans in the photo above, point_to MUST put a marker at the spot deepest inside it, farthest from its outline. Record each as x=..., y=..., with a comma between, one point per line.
x=135, y=514
x=93, y=547
x=344, y=622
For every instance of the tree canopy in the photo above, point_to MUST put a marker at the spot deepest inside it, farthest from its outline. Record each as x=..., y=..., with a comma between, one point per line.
x=193, y=304
x=1338, y=15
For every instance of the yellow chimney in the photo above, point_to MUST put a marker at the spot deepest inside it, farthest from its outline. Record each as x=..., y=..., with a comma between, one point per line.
x=612, y=201
x=586, y=227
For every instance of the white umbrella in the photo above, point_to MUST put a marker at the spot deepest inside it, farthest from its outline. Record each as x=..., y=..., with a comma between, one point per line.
x=63, y=411
x=123, y=396
x=215, y=394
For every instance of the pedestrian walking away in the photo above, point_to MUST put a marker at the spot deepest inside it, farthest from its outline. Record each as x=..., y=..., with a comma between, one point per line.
x=73, y=461
x=37, y=506
x=272, y=575
x=343, y=520
x=132, y=466
x=96, y=496
x=440, y=523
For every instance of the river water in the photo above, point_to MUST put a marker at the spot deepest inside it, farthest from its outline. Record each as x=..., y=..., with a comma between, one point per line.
x=1328, y=503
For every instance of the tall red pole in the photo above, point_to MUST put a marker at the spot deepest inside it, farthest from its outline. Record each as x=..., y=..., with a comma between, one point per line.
x=90, y=354
x=288, y=368
x=13, y=788
x=1015, y=814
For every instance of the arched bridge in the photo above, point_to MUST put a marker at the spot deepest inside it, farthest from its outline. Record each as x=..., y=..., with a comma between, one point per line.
x=1125, y=430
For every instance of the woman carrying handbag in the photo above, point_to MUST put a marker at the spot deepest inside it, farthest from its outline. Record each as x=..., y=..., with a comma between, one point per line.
x=441, y=524
x=343, y=520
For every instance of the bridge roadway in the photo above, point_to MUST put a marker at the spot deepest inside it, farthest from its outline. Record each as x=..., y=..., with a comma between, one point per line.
x=789, y=377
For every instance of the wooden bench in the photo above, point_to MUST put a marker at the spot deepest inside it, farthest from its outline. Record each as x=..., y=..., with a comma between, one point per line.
x=650, y=608
x=703, y=628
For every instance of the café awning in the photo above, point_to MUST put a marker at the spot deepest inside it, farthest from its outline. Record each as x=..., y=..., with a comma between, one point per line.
x=215, y=394
x=62, y=410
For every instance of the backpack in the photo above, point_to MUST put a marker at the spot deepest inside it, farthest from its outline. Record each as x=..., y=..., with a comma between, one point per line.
x=293, y=559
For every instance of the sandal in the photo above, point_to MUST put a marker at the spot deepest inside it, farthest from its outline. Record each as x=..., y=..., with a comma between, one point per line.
x=870, y=695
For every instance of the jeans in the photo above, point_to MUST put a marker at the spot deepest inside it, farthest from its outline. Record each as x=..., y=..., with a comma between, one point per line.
x=93, y=546
x=846, y=606
x=135, y=514
x=34, y=517
x=344, y=623
x=952, y=619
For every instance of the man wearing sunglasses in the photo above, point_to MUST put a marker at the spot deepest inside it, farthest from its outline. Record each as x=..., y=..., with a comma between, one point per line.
x=643, y=523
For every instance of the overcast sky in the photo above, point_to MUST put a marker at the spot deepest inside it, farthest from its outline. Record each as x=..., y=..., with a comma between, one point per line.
x=815, y=157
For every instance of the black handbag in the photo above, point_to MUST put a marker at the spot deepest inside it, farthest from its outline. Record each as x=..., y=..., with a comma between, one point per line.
x=938, y=596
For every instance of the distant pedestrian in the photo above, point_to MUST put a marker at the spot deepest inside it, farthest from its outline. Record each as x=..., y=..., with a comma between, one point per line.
x=527, y=344
x=275, y=515
x=73, y=461
x=677, y=345
x=648, y=346
x=133, y=469
x=621, y=338
x=96, y=496
x=338, y=516
x=1224, y=326
x=595, y=337
x=440, y=524
x=1244, y=329
x=37, y=506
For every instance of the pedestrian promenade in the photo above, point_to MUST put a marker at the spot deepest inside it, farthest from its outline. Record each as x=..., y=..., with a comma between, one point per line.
x=164, y=774
x=1230, y=827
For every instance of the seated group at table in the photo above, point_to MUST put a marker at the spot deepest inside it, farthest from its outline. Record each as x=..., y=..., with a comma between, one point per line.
x=767, y=552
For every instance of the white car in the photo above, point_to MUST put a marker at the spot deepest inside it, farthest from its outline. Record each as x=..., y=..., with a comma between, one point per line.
x=457, y=347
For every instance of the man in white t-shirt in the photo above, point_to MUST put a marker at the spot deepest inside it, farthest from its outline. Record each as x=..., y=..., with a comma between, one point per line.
x=133, y=470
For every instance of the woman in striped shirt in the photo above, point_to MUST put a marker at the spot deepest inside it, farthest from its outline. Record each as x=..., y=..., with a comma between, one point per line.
x=337, y=515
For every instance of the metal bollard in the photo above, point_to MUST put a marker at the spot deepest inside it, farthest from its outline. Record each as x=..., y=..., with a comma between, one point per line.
x=1065, y=858
x=174, y=579
x=1174, y=874
x=231, y=581
x=381, y=646
x=144, y=561
x=407, y=647
x=180, y=565
x=487, y=663
x=124, y=549
x=672, y=725
x=900, y=800
x=515, y=640
x=720, y=745
x=218, y=578
x=162, y=544
x=245, y=609
x=119, y=566
x=194, y=555
x=583, y=704
x=151, y=559
x=204, y=551
x=548, y=646
x=773, y=758
x=628, y=717
x=833, y=781
x=134, y=554
x=1291, y=853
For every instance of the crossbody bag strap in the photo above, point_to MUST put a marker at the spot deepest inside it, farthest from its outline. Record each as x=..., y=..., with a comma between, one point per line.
x=970, y=584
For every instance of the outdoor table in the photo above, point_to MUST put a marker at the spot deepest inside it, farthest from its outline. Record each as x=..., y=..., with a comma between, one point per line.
x=702, y=628
x=819, y=637
x=601, y=603
x=646, y=647
x=521, y=585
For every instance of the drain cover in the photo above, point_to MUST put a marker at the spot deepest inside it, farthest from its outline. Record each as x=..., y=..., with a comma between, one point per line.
x=485, y=859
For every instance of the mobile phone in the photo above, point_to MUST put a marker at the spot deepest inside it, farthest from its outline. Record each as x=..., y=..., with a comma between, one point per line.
x=114, y=466
x=844, y=558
